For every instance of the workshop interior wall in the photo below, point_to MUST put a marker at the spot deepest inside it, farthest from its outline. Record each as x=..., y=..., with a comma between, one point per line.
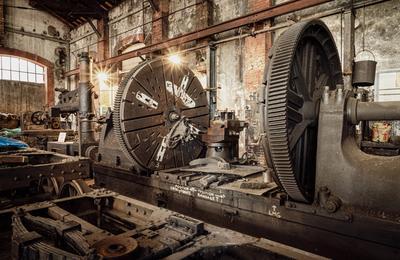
x=29, y=31
x=241, y=62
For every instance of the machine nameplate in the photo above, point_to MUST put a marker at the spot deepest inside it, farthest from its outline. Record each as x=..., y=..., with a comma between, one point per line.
x=195, y=192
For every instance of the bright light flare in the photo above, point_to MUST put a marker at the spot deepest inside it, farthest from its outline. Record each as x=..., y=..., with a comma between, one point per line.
x=175, y=59
x=102, y=76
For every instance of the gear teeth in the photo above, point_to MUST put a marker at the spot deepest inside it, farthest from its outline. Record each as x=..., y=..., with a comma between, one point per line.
x=282, y=104
x=277, y=110
x=116, y=117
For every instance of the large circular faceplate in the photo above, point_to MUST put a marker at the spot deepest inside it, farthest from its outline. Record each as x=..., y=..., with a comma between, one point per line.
x=304, y=60
x=150, y=100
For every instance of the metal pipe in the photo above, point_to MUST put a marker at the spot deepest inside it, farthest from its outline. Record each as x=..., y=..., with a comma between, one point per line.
x=86, y=132
x=371, y=111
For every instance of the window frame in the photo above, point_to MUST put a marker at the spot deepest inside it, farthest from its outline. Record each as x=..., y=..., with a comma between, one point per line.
x=32, y=72
x=381, y=91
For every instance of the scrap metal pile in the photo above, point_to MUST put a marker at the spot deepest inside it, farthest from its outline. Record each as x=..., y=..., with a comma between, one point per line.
x=105, y=225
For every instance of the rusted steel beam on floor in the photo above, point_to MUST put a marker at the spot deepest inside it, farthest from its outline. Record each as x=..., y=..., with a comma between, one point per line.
x=252, y=18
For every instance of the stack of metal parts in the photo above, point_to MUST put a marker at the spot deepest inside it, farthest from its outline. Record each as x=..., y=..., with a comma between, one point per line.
x=105, y=225
x=39, y=127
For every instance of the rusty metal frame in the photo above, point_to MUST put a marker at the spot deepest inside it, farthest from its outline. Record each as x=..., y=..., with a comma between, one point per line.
x=252, y=18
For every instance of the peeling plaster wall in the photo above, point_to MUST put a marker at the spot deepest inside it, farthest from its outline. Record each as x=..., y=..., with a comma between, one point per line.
x=82, y=39
x=228, y=9
x=182, y=18
x=382, y=33
x=35, y=22
x=132, y=17
x=231, y=93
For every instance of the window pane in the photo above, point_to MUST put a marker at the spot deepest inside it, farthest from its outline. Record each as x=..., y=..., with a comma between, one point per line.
x=387, y=80
x=39, y=69
x=15, y=64
x=5, y=63
x=23, y=65
x=6, y=74
x=31, y=67
x=31, y=77
x=105, y=98
x=39, y=78
x=23, y=76
x=14, y=75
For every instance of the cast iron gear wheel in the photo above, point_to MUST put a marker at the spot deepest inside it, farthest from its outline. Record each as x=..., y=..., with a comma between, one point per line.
x=304, y=60
x=150, y=100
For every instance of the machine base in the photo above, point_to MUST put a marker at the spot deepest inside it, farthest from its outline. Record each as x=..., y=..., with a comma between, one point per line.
x=263, y=212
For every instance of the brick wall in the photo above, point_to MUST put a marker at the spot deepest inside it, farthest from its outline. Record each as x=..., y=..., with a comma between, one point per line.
x=160, y=24
x=204, y=13
x=256, y=5
x=103, y=42
x=256, y=50
x=254, y=62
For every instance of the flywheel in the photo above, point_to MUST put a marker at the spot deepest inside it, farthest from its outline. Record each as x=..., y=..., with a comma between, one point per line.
x=159, y=109
x=303, y=60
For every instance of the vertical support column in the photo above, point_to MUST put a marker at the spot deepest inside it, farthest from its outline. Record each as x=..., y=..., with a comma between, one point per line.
x=348, y=46
x=103, y=43
x=160, y=24
x=103, y=52
x=212, y=79
x=268, y=35
x=86, y=132
x=205, y=14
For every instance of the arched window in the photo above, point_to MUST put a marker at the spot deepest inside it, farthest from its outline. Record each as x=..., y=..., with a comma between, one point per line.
x=19, y=69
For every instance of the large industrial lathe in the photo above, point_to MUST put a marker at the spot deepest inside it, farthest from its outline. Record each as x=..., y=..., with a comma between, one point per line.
x=327, y=196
